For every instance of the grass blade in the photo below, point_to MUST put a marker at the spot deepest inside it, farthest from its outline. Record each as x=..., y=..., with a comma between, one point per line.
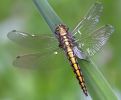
x=48, y=14
x=98, y=86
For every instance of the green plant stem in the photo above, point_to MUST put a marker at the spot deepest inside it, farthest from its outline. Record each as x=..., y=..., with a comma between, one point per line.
x=48, y=14
x=98, y=86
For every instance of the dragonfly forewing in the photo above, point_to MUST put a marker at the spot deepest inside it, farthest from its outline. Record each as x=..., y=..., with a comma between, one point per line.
x=35, y=42
x=89, y=22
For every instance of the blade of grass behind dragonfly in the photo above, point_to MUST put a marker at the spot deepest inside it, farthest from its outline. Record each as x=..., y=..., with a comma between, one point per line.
x=98, y=86
x=48, y=14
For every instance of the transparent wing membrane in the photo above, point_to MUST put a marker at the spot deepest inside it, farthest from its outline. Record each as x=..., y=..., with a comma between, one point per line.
x=94, y=41
x=90, y=21
x=43, y=61
x=36, y=42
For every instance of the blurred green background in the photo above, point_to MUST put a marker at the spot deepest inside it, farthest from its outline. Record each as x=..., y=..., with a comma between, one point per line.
x=58, y=83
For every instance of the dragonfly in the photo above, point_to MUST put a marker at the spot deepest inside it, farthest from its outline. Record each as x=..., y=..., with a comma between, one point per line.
x=83, y=42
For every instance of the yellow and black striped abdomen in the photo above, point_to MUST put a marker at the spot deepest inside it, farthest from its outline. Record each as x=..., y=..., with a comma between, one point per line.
x=77, y=70
x=74, y=64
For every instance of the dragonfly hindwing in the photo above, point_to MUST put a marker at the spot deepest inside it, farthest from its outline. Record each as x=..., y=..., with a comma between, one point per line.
x=94, y=41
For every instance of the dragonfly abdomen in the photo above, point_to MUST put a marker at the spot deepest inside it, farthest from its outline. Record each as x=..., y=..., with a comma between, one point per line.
x=76, y=69
x=72, y=58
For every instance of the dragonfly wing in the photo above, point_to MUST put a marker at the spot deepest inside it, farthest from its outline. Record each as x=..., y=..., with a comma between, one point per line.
x=94, y=41
x=79, y=53
x=43, y=60
x=36, y=42
x=90, y=21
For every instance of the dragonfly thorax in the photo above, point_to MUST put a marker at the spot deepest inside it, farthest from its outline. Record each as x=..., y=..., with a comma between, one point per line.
x=63, y=36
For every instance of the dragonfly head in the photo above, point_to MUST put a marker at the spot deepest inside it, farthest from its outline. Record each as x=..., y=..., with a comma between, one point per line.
x=61, y=29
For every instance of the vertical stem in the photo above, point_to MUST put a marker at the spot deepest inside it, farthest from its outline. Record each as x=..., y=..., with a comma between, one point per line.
x=48, y=14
